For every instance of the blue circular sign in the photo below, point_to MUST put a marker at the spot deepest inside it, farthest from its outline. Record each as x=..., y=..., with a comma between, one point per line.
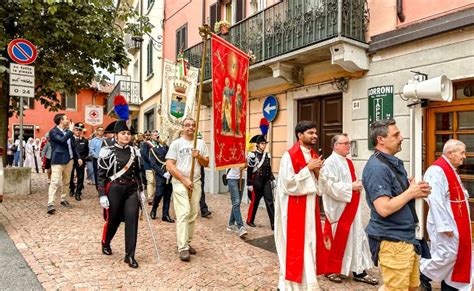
x=270, y=108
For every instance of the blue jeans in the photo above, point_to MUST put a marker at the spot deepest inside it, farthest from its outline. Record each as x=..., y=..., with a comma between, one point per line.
x=235, y=197
x=90, y=171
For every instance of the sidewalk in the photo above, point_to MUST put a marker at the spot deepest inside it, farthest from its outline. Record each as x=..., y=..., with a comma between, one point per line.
x=63, y=250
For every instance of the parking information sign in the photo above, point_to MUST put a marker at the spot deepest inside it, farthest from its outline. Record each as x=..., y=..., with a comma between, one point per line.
x=22, y=80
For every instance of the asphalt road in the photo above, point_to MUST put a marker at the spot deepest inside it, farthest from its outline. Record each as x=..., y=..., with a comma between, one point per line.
x=15, y=274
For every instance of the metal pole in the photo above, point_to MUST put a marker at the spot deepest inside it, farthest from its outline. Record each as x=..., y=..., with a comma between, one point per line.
x=21, y=131
x=204, y=32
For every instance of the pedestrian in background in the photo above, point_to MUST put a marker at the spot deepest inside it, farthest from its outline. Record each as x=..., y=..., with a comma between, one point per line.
x=63, y=156
x=202, y=202
x=235, y=183
x=162, y=179
x=46, y=154
x=145, y=148
x=30, y=155
x=82, y=147
x=94, y=148
x=178, y=163
x=10, y=152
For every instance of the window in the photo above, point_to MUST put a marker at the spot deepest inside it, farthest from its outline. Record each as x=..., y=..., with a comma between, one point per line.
x=29, y=103
x=149, y=122
x=68, y=102
x=239, y=10
x=182, y=39
x=256, y=6
x=215, y=14
x=149, y=57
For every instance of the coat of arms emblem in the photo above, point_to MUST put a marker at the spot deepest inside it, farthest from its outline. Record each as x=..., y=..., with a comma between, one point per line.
x=178, y=98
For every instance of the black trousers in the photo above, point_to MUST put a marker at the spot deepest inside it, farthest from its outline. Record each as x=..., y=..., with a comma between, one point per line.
x=94, y=167
x=164, y=191
x=202, y=200
x=256, y=195
x=124, y=205
x=79, y=171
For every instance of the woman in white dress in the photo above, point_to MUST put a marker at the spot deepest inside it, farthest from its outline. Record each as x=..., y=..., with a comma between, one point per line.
x=30, y=154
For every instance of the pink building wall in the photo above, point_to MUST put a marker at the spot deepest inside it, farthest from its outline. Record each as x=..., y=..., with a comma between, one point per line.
x=383, y=14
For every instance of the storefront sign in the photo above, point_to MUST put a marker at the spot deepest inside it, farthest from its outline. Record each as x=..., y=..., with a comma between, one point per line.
x=380, y=105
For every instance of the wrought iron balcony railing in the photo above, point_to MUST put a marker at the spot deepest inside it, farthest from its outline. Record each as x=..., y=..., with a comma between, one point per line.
x=129, y=89
x=291, y=25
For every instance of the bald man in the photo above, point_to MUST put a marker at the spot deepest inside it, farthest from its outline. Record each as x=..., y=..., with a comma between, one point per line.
x=448, y=223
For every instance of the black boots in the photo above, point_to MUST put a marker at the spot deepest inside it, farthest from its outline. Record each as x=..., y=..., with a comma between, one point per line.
x=153, y=214
x=106, y=250
x=131, y=261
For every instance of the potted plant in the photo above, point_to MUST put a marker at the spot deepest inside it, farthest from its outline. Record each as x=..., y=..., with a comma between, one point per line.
x=222, y=27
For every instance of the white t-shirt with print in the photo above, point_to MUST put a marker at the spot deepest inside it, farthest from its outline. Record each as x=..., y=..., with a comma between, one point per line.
x=181, y=151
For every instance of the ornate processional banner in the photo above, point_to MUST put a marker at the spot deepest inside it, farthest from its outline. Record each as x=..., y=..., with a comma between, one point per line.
x=230, y=68
x=178, y=96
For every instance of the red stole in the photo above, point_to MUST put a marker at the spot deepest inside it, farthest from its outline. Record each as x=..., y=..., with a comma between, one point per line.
x=338, y=245
x=295, y=230
x=462, y=267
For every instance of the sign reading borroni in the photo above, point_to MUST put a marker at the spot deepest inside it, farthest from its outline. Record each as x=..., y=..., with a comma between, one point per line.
x=380, y=105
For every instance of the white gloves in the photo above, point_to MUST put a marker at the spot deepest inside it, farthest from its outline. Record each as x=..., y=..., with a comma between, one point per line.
x=167, y=175
x=250, y=188
x=142, y=197
x=104, y=202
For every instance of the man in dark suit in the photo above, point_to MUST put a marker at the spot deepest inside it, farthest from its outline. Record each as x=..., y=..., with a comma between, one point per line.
x=82, y=147
x=162, y=179
x=63, y=155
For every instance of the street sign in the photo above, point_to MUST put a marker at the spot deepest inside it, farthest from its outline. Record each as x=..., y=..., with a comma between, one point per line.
x=22, y=80
x=380, y=105
x=270, y=108
x=21, y=91
x=22, y=70
x=22, y=51
x=94, y=115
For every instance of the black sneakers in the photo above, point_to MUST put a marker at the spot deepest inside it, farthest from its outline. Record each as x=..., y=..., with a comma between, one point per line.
x=51, y=209
x=66, y=204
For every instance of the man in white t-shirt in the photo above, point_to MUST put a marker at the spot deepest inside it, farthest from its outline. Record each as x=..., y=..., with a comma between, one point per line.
x=178, y=163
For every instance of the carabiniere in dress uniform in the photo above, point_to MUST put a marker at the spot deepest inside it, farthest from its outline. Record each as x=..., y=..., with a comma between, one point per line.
x=120, y=190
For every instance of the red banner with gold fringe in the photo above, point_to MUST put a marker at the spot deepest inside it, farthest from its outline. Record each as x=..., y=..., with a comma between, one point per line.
x=230, y=67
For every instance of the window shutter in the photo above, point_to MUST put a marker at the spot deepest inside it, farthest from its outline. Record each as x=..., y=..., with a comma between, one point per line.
x=63, y=102
x=240, y=11
x=184, y=34
x=178, y=40
x=213, y=16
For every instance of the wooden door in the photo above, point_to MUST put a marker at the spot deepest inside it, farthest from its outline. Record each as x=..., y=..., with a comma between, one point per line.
x=326, y=111
x=453, y=121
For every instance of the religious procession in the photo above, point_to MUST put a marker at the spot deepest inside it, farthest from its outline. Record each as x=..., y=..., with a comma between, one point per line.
x=352, y=120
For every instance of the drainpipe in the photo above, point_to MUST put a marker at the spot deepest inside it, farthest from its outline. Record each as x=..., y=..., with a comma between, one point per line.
x=339, y=17
x=400, y=14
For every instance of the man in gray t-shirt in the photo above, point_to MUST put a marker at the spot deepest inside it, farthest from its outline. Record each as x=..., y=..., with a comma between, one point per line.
x=178, y=163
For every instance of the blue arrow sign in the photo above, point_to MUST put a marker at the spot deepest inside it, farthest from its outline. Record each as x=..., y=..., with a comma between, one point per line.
x=270, y=108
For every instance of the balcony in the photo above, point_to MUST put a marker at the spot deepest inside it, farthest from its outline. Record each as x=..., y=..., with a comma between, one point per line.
x=132, y=44
x=293, y=27
x=130, y=90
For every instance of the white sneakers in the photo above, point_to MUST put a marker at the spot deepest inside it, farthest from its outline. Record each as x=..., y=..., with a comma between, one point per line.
x=240, y=230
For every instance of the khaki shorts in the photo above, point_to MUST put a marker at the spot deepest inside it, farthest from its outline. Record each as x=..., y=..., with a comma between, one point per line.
x=400, y=265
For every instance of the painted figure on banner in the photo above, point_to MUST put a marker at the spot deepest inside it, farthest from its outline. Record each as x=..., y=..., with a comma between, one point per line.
x=230, y=77
x=227, y=124
x=238, y=109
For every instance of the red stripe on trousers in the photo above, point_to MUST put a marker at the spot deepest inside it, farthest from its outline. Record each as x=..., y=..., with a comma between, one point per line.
x=252, y=204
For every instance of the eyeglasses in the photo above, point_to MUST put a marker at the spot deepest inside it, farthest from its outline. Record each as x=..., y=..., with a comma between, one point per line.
x=189, y=125
x=344, y=143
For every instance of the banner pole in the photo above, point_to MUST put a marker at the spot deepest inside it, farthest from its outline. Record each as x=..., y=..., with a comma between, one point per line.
x=204, y=32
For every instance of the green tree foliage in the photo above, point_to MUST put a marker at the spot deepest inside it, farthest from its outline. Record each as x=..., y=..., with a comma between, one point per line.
x=73, y=37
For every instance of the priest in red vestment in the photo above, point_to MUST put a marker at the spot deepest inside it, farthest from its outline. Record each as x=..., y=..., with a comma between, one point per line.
x=297, y=218
x=448, y=223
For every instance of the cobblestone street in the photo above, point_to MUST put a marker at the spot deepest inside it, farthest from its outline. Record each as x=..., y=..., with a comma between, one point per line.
x=63, y=249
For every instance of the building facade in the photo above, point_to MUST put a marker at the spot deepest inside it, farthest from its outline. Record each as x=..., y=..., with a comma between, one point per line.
x=37, y=120
x=141, y=81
